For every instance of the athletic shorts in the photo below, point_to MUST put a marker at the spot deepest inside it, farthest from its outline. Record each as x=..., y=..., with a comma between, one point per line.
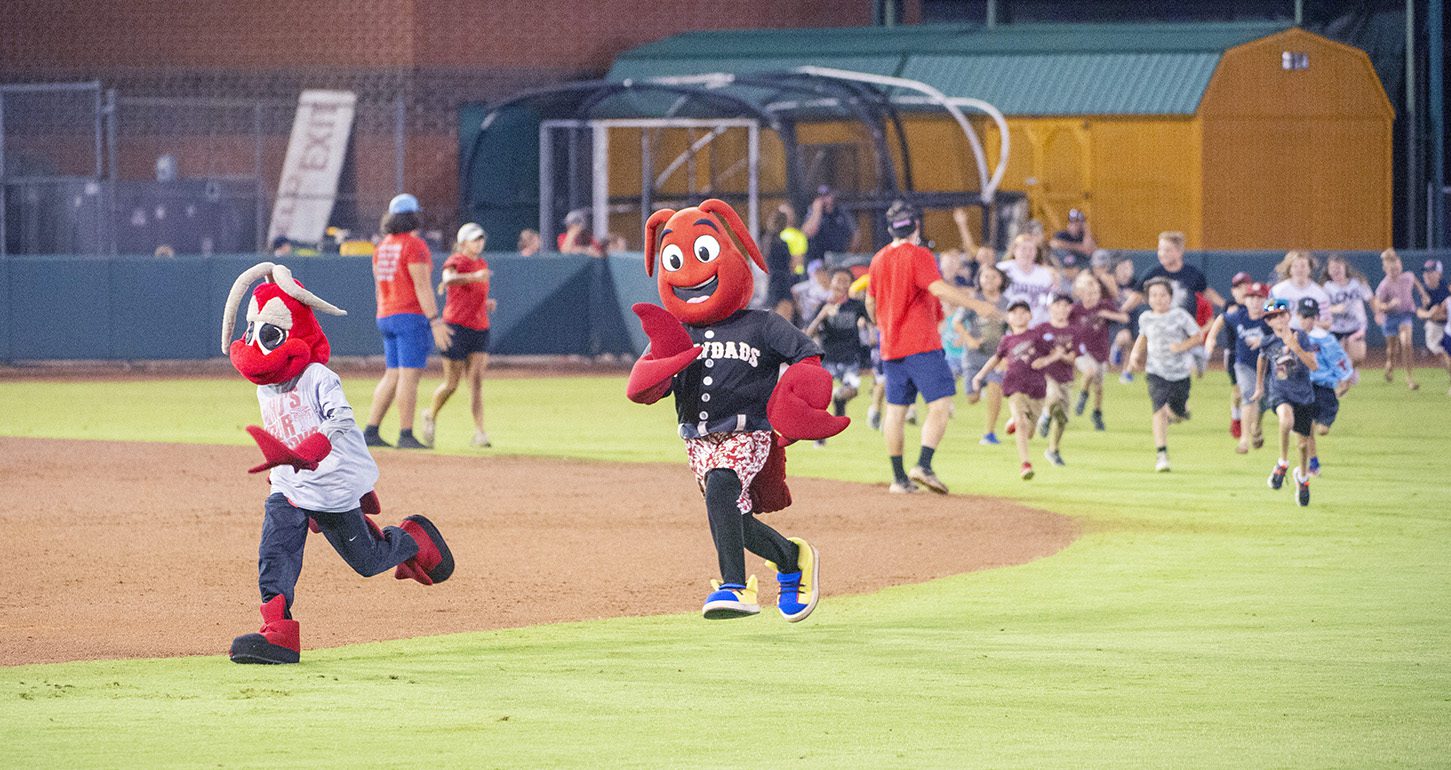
x=973, y=363
x=1435, y=338
x=1394, y=321
x=1171, y=393
x=848, y=373
x=926, y=373
x=1089, y=365
x=1327, y=405
x=1304, y=415
x=407, y=340
x=1245, y=375
x=1030, y=408
x=744, y=452
x=465, y=342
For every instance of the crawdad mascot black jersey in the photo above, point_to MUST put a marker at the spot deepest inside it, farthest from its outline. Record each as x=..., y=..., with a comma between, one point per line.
x=726, y=389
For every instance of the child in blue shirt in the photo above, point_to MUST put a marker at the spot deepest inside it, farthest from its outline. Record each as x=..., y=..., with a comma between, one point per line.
x=1332, y=372
x=1288, y=356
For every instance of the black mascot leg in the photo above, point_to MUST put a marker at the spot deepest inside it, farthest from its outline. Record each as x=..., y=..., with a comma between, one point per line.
x=722, y=490
x=767, y=543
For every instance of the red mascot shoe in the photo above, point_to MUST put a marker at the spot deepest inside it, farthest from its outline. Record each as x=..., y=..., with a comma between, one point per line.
x=278, y=642
x=433, y=562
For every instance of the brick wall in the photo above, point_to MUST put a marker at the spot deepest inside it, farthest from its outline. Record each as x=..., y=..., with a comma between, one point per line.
x=437, y=54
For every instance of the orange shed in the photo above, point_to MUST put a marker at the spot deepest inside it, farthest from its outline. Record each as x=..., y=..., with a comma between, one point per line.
x=1240, y=135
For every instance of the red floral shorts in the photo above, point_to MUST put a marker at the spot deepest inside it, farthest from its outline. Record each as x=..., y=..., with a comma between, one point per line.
x=744, y=452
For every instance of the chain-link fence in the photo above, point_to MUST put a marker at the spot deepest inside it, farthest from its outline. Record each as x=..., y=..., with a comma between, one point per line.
x=85, y=170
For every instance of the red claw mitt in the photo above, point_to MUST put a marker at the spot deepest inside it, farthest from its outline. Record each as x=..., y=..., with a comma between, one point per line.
x=669, y=353
x=304, y=457
x=797, y=409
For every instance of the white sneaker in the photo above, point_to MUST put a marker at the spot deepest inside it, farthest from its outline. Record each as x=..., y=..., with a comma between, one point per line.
x=481, y=440
x=426, y=428
x=1162, y=466
x=898, y=488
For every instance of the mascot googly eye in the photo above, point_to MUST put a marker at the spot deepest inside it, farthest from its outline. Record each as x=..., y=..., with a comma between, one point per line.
x=282, y=335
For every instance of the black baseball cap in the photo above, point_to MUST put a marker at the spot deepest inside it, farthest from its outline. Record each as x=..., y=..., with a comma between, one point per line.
x=1307, y=307
x=1062, y=297
x=1020, y=304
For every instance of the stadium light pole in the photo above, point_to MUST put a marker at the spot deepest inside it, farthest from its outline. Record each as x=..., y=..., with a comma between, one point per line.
x=1412, y=128
x=1436, y=86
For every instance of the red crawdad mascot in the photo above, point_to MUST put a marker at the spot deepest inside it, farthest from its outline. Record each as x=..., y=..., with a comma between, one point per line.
x=321, y=473
x=721, y=361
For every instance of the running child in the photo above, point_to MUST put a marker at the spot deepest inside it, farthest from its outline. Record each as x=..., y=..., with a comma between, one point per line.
x=1093, y=314
x=1289, y=357
x=1026, y=353
x=1434, y=314
x=983, y=333
x=1224, y=334
x=839, y=327
x=1395, y=307
x=1167, y=334
x=1064, y=337
x=1332, y=367
x=1349, y=291
x=1245, y=325
x=1031, y=279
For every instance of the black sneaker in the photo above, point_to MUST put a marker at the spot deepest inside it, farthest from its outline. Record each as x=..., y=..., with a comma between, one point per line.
x=373, y=439
x=1082, y=403
x=1277, y=476
x=1302, y=485
x=407, y=441
x=1054, y=457
x=1098, y=420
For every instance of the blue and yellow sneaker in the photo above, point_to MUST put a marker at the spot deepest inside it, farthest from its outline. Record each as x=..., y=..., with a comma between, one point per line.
x=800, y=589
x=731, y=600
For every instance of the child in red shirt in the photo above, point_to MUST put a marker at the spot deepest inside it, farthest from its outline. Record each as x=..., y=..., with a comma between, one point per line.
x=1024, y=384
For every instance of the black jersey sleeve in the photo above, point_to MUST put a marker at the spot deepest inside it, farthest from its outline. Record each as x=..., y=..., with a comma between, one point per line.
x=786, y=341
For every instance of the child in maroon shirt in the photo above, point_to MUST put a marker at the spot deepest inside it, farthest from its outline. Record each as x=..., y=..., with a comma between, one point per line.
x=1026, y=354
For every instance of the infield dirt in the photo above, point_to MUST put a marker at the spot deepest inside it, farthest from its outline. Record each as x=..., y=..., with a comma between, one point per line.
x=127, y=550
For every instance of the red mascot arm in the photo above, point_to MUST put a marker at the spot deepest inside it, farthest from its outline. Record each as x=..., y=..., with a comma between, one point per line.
x=669, y=353
x=304, y=457
x=797, y=409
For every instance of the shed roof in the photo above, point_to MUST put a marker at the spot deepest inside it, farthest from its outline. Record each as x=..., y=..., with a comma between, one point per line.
x=1023, y=69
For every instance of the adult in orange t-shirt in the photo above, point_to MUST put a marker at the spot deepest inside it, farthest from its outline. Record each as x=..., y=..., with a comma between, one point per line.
x=466, y=311
x=407, y=318
x=904, y=297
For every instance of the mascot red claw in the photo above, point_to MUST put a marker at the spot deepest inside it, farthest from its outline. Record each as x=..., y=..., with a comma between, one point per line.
x=321, y=474
x=721, y=360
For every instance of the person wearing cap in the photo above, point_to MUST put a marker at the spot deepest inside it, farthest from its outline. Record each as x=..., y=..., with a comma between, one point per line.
x=576, y=238
x=1298, y=267
x=1167, y=337
x=1237, y=286
x=1066, y=339
x=1349, y=292
x=1075, y=239
x=1282, y=378
x=1332, y=370
x=466, y=310
x=1395, y=307
x=904, y=299
x=1027, y=353
x=828, y=227
x=281, y=247
x=1245, y=330
x=1434, y=311
x=408, y=319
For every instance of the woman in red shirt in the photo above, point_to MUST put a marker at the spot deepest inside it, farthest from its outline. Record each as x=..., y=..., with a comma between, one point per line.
x=466, y=311
x=407, y=318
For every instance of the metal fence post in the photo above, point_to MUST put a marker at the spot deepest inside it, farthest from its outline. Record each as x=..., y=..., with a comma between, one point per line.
x=112, y=117
x=261, y=193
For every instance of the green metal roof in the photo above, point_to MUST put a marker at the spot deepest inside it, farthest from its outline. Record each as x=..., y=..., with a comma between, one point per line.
x=1023, y=69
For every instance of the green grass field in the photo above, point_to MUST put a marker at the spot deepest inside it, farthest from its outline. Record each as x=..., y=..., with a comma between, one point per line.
x=1201, y=621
